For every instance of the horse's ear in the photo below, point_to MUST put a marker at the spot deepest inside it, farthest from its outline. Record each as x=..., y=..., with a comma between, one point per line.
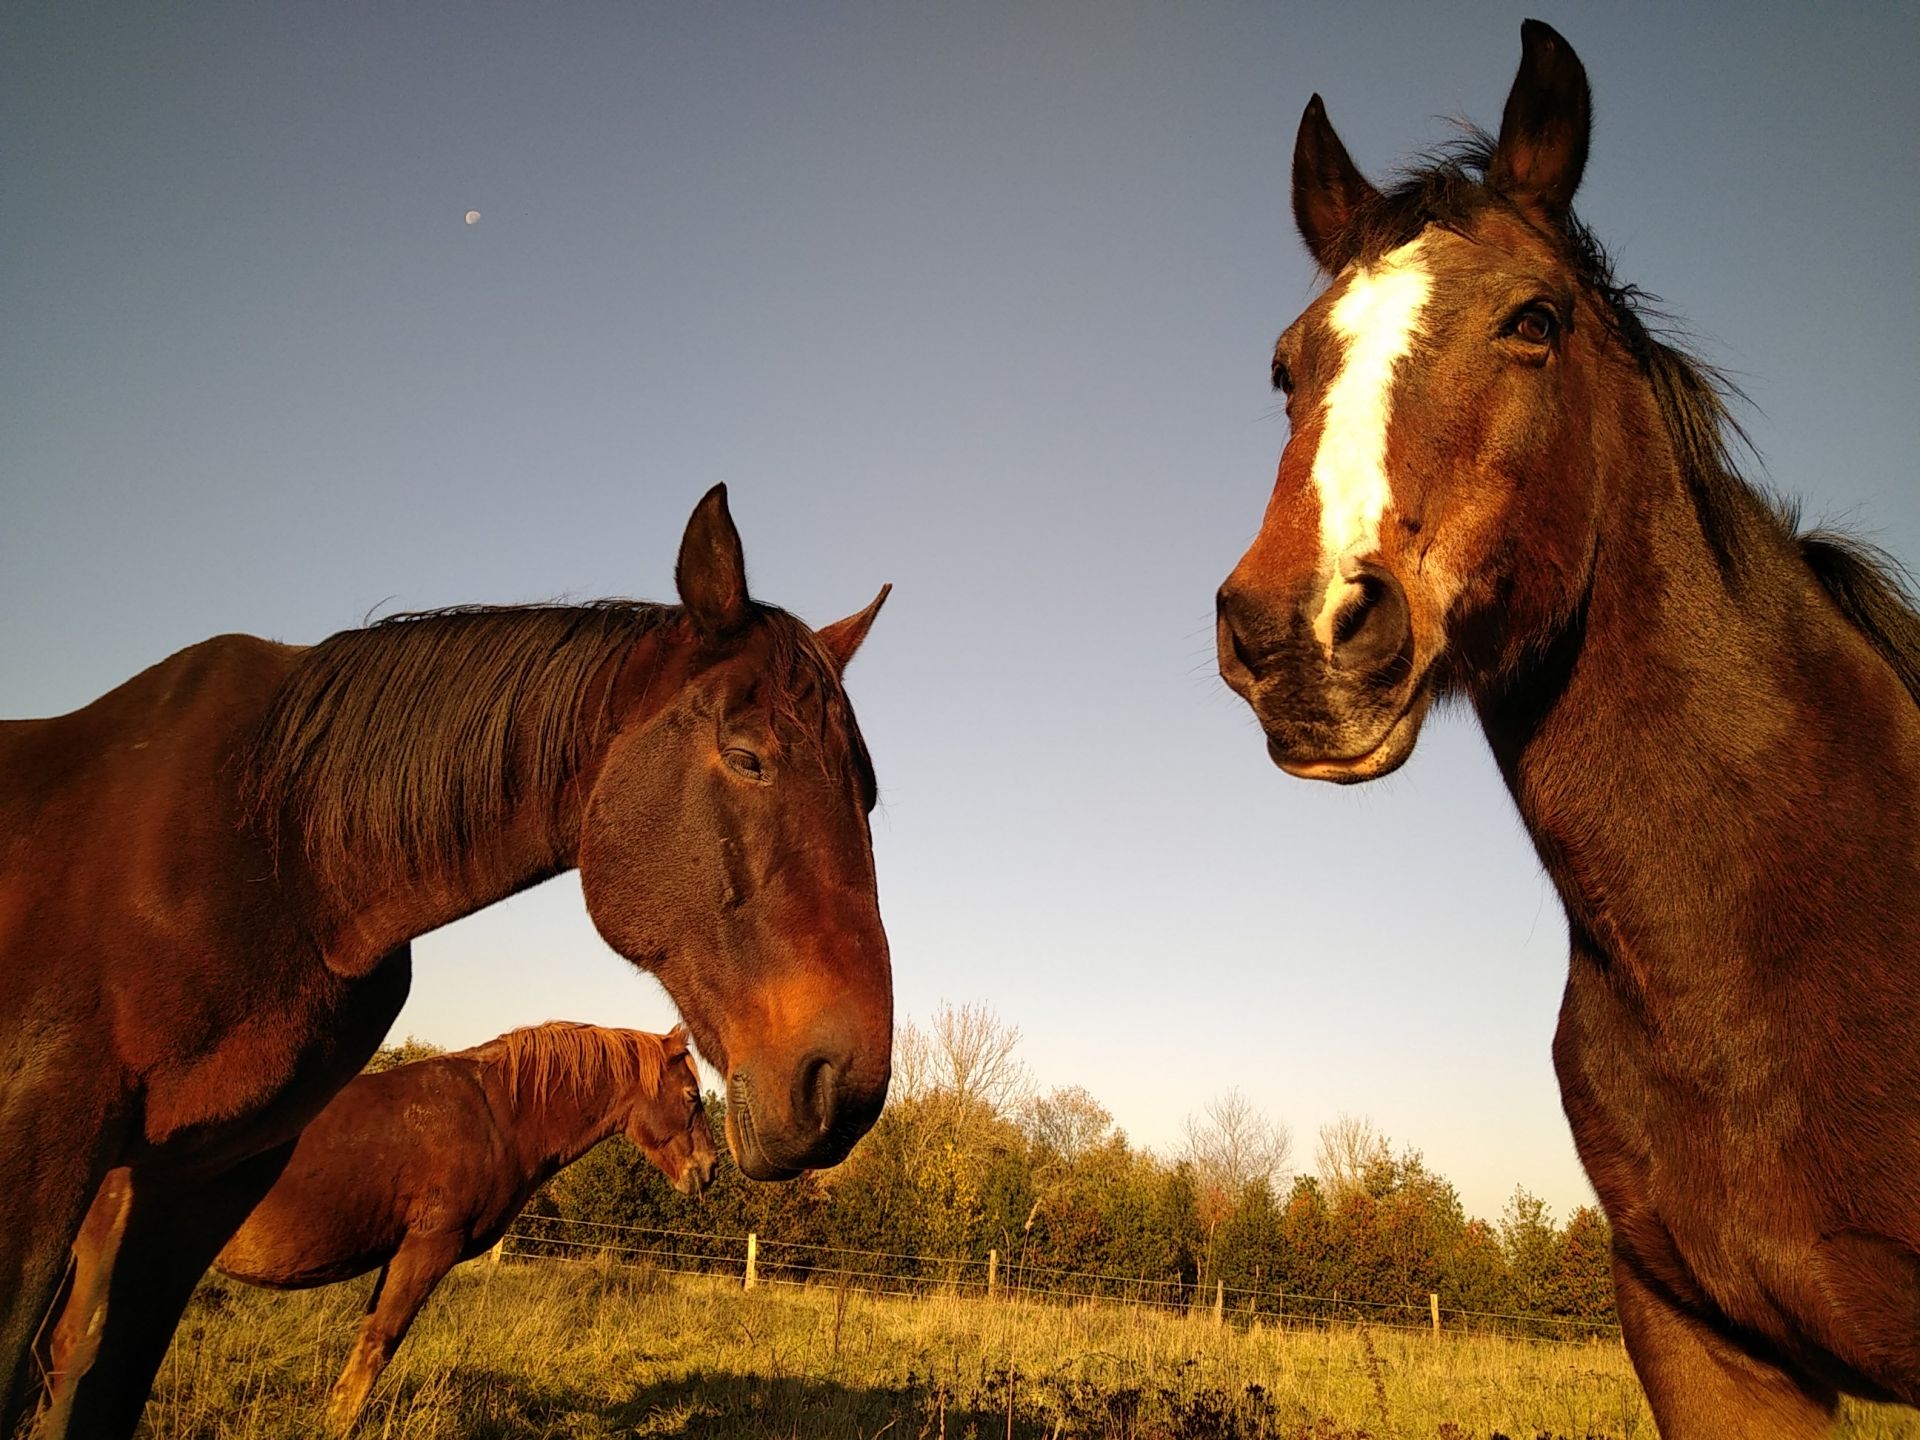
x=711, y=573
x=1327, y=189
x=843, y=637
x=1546, y=125
x=674, y=1043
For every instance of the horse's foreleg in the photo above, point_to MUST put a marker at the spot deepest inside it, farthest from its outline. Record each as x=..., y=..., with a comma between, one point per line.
x=52, y=1156
x=69, y=1345
x=169, y=1235
x=1702, y=1387
x=416, y=1267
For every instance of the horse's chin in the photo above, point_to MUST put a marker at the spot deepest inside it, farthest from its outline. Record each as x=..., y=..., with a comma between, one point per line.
x=1387, y=755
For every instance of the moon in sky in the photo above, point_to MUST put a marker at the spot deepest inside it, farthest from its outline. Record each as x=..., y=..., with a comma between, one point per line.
x=473, y=217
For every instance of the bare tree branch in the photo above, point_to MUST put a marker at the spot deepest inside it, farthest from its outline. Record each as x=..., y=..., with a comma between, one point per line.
x=1066, y=1123
x=1230, y=1145
x=970, y=1053
x=1348, y=1146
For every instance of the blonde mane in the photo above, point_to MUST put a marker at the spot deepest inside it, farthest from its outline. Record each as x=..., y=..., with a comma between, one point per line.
x=535, y=1058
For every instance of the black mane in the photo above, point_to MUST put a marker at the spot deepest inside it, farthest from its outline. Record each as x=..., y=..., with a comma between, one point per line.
x=397, y=744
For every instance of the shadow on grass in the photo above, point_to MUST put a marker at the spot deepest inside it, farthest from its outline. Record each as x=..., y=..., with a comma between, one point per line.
x=721, y=1405
x=996, y=1405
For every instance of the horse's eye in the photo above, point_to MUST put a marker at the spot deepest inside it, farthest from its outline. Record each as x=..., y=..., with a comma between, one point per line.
x=1536, y=324
x=1282, y=377
x=745, y=762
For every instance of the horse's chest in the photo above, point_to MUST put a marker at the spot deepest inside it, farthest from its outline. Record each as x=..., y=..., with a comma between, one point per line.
x=1701, y=1165
x=276, y=1063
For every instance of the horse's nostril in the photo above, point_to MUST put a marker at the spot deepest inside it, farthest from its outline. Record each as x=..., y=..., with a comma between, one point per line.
x=1374, y=625
x=1367, y=592
x=814, y=1093
x=1230, y=606
x=1239, y=649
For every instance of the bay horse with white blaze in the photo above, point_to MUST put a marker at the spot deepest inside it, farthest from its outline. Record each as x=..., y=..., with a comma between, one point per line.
x=414, y=1169
x=210, y=876
x=1501, y=485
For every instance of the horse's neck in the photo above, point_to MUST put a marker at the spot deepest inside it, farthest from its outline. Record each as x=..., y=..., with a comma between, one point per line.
x=1688, y=760
x=572, y=1115
x=369, y=915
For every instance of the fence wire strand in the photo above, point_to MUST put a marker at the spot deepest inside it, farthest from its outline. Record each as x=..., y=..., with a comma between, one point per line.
x=689, y=1252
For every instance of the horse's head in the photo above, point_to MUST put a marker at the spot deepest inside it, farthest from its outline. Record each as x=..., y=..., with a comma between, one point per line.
x=670, y=1125
x=725, y=848
x=1436, y=508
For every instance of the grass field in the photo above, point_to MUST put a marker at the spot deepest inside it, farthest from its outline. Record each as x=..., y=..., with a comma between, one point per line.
x=551, y=1349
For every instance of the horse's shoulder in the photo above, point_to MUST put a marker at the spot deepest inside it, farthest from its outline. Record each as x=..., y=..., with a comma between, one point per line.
x=226, y=669
x=225, y=672
x=173, y=727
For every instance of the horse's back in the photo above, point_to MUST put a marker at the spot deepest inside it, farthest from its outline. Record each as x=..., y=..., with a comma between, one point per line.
x=202, y=698
x=410, y=1149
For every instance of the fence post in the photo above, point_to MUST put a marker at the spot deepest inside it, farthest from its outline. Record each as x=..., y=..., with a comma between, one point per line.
x=499, y=1249
x=1219, y=1300
x=993, y=1272
x=1433, y=1303
x=753, y=1254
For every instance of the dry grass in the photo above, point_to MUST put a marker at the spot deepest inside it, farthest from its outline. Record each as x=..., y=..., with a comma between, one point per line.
x=547, y=1349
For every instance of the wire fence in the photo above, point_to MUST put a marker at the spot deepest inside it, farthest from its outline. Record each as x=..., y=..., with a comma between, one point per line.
x=759, y=1259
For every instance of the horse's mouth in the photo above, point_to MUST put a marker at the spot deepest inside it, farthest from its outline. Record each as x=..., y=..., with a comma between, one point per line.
x=1385, y=756
x=744, y=1139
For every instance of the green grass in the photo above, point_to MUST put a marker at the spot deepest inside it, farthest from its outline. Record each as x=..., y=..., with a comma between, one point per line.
x=549, y=1349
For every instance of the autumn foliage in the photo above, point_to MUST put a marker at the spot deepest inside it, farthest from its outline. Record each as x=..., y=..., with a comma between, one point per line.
x=967, y=1158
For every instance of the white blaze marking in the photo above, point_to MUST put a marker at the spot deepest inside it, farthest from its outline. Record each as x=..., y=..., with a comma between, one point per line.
x=1378, y=317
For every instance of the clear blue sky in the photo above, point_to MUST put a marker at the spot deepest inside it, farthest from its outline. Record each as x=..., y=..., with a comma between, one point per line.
x=976, y=299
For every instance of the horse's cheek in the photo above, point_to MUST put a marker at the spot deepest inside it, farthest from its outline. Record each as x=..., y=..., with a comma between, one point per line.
x=613, y=866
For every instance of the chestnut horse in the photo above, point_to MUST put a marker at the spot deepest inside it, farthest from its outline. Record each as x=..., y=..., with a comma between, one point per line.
x=1501, y=485
x=210, y=876
x=412, y=1170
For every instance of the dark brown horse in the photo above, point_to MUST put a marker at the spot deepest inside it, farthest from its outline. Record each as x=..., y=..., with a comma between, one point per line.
x=1501, y=485
x=417, y=1168
x=210, y=876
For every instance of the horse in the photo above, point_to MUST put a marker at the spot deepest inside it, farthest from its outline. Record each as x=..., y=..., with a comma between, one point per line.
x=1503, y=484
x=210, y=876
x=412, y=1170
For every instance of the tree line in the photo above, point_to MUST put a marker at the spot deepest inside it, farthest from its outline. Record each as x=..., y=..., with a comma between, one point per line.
x=967, y=1157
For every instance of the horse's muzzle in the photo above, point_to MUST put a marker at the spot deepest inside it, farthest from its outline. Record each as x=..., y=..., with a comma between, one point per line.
x=697, y=1177
x=827, y=1111
x=1347, y=708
